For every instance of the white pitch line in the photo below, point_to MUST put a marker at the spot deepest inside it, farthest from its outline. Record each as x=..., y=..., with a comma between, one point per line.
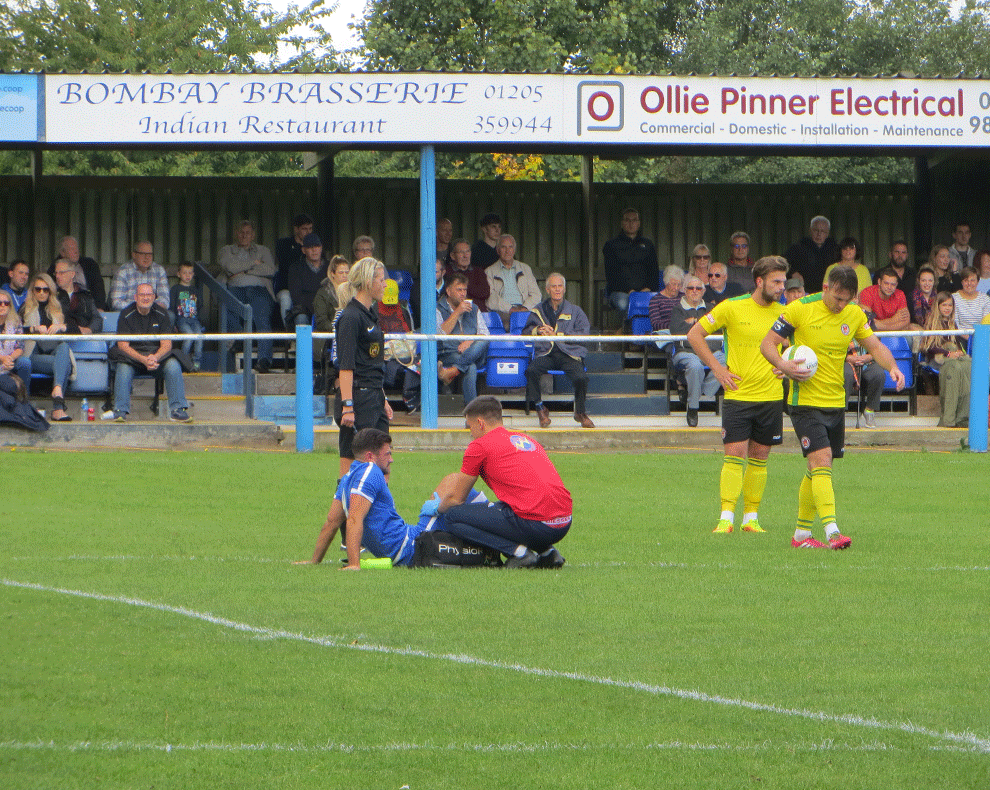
x=504, y=748
x=965, y=738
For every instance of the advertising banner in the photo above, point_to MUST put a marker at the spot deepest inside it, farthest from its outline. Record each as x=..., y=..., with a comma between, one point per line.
x=497, y=109
x=19, y=107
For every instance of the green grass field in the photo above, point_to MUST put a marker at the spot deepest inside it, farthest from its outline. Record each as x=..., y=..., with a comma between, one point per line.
x=156, y=634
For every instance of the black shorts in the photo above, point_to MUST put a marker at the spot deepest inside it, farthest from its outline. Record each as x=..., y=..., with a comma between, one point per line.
x=817, y=429
x=761, y=421
x=369, y=412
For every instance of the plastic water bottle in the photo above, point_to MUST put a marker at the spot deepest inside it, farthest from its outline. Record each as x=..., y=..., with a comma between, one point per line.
x=84, y=407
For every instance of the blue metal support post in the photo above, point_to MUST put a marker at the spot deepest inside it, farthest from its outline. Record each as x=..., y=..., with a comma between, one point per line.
x=427, y=293
x=304, y=388
x=979, y=386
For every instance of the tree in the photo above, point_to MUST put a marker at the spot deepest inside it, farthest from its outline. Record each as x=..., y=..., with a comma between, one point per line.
x=161, y=36
x=521, y=35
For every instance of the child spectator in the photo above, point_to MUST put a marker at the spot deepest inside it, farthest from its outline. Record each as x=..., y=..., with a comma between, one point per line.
x=185, y=299
x=947, y=354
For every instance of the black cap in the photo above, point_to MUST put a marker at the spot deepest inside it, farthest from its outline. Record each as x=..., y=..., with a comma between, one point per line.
x=488, y=219
x=312, y=240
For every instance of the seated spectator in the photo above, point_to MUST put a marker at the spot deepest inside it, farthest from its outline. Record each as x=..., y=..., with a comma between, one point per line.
x=325, y=303
x=12, y=356
x=17, y=286
x=445, y=233
x=144, y=316
x=850, y=254
x=946, y=280
x=78, y=305
x=982, y=265
x=923, y=296
x=719, y=288
x=739, y=267
x=363, y=247
x=458, y=315
x=886, y=302
x=401, y=359
x=906, y=276
x=305, y=278
x=559, y=319
x=947, y=354
x=484, y=251
x=960, y=251
x=42, y=315
x=971, y=305
x=288, y=250
x=811, y=256
x=686, y=314
x=185, y=302
x=140, y=269
x=511, y=283
x=439, y=285
x=861, y=372
x=793, y=290
x=87, y=271
x=364, y=507
x=461, y=260
x=700, y=263
x=662, y=303
x=250, y=270
x=630, y=263
x=534, y=509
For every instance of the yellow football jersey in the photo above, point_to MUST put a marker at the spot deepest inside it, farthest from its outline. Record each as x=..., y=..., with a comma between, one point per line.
x=744, y=323
x=829, y=335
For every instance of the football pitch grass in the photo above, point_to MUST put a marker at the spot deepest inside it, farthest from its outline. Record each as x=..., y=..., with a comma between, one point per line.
x=157, y=634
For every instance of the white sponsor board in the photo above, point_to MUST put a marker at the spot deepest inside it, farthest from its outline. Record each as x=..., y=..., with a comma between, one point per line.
x=500, y=109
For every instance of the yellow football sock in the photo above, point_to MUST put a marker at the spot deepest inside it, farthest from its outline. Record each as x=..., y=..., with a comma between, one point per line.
x=806, y=505
x=730, y=482
x=824, y=494
x=753, y=484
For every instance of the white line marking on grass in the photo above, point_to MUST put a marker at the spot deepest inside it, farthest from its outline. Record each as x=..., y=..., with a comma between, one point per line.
x=345, y=748
x=965, y=738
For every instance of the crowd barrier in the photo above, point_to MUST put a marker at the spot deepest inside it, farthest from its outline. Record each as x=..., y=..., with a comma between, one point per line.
x=304, y=336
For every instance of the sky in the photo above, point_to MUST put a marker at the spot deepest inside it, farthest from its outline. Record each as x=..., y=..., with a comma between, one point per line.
x=346, y=9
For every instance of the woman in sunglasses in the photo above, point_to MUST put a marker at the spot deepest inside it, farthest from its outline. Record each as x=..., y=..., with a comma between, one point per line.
x=42, y=316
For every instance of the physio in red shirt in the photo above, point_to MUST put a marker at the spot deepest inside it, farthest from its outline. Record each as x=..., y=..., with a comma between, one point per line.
x=533, y=510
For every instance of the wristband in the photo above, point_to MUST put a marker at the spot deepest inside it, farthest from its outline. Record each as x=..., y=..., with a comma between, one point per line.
x=348, y=402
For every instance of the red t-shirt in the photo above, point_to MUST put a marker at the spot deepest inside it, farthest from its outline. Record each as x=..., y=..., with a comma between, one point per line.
x=518, y=471
x=871, y=299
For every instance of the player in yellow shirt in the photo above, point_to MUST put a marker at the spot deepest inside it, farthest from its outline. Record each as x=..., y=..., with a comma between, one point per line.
x=826, y=323
x=752, y=411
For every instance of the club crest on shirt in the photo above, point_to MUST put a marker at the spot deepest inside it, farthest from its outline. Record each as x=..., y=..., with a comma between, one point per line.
x=522, y=443
x=375, y=350
x=844, y=329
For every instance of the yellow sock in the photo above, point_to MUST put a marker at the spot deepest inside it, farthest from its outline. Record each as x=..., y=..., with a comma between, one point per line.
x=753, y=484
x=730, y=482
x=806, y=505
x=821, y=488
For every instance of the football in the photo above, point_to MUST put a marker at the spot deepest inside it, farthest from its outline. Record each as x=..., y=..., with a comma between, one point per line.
x=803, y=352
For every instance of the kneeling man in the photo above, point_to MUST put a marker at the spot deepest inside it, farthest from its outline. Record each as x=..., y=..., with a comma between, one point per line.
x=533, y=511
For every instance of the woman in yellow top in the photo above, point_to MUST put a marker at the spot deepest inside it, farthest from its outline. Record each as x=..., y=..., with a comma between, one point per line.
x=850, y=253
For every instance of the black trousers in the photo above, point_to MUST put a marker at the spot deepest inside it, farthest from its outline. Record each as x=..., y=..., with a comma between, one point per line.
x=557, y=360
